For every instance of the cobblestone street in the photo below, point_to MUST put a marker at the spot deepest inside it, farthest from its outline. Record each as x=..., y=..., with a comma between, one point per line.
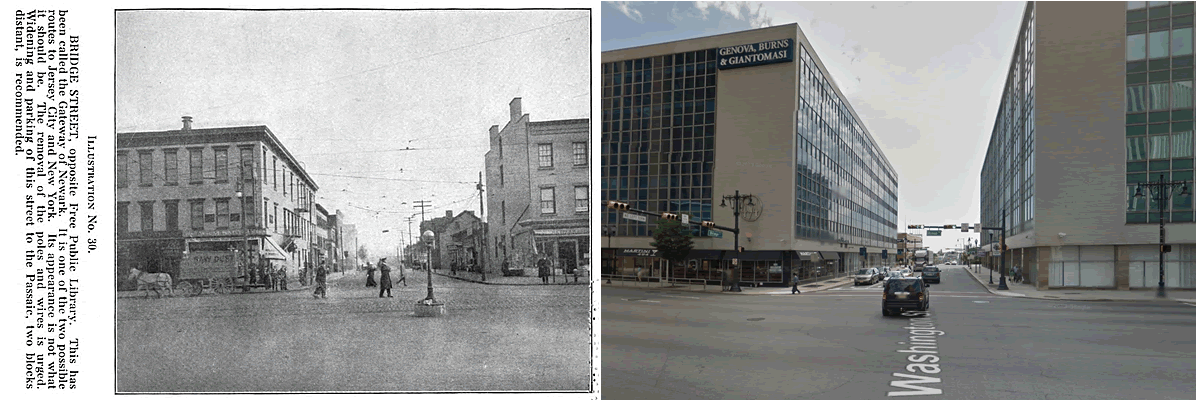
x=492, y=338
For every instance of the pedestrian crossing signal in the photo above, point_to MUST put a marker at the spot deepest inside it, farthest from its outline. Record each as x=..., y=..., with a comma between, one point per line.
x=1166, y=248
x=616, y=205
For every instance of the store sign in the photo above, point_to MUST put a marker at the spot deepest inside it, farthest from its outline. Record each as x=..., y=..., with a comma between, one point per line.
x=640, y=252
x=561, y=231
x=754, y=54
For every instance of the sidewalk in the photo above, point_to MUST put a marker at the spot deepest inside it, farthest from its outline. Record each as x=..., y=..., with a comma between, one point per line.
x=747, y=289
x=1028, y=291
x=499, y=279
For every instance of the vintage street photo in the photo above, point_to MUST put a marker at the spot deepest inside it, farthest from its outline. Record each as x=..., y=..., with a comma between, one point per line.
x=353, y=201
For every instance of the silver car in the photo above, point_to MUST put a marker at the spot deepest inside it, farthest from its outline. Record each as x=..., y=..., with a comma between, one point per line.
x=866, y=276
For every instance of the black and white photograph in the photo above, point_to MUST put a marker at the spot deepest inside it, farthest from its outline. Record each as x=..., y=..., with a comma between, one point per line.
x=353, y=201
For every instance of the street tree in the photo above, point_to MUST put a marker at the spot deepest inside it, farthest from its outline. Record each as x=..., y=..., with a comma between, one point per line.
x=673, y=241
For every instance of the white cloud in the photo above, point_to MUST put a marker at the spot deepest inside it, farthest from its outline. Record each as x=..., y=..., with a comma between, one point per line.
x=628, y=10
x=739, y=10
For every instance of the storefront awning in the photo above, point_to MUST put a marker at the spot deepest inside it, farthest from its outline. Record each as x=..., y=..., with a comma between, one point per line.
x=830, y=255
x=273, y=252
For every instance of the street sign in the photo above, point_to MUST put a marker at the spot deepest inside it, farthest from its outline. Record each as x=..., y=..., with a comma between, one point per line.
x=715, y=233
x=634, y=217
x=933, y=233
x=980, y=253
x=685, y=219
x=995, y=253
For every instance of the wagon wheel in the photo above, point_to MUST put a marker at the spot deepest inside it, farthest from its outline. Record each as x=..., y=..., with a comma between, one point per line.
x=221, y=286
x=187, y=288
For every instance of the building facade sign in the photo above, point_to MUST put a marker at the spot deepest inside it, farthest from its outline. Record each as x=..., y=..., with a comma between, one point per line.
x=639, y=252
x=561, y=231
x=754, y=54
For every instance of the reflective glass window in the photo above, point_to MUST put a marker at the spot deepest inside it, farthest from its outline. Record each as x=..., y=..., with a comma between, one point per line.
x=1182, y=144
x=1157, y=45
x=1135, y=47
x=1181, y=42
x=1159, y=146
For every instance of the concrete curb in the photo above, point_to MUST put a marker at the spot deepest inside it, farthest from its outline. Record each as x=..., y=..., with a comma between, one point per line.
x=746, y=293
x=1024, y=296
x=510, y=284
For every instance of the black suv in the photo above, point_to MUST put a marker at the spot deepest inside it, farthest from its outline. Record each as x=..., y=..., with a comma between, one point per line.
x=932, y=274
x=900, y=294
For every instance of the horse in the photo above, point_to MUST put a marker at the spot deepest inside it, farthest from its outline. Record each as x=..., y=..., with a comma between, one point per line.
x=147, y=281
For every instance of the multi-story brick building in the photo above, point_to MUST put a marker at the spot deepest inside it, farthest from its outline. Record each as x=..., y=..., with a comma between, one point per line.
x=538, y=175
x=215, y=190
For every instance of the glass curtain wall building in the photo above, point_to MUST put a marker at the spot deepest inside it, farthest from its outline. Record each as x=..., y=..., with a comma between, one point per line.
x=1078, y=128
x=687, y=123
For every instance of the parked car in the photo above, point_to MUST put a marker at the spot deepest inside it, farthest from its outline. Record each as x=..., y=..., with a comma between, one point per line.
x=866, y=276
x=932, y=274
x=905, y=294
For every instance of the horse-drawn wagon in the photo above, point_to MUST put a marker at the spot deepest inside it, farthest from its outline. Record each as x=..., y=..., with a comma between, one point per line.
x=219, y=271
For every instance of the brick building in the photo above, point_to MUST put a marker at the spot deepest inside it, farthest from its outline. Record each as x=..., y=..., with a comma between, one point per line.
x=538, y=175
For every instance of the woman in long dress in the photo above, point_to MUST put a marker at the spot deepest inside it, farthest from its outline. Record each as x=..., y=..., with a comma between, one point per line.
x=370, y=276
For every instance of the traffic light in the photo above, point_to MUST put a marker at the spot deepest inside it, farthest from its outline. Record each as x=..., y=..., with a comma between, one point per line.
x=947, y=226
x=616, y=205
x=670, y=216
x=916, y=226
x=966, y=227
x=708, y=224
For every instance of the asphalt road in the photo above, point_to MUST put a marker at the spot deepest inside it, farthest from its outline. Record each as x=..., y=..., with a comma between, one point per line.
x=659, y=344
x=494, y=338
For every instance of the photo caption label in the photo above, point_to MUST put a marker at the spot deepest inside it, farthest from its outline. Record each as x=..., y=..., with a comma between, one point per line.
x=59, y=212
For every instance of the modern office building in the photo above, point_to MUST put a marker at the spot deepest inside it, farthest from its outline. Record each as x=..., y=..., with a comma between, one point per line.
x=1100, y=97
x=689, y=122
x=205, y=193
x=538, y=176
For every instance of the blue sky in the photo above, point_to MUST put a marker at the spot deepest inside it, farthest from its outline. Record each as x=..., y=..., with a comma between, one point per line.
x=925, y=78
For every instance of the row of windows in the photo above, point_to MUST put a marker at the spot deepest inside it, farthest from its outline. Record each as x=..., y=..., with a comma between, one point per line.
x=579, y=157
x=1160, y=96
x=197, y=160
x=547, y=202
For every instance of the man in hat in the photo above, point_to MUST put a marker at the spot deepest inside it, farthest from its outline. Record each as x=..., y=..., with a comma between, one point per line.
x=385, y=278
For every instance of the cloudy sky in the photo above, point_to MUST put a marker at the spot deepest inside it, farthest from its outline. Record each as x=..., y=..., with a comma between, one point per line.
x=347, y=91
x=925, y=77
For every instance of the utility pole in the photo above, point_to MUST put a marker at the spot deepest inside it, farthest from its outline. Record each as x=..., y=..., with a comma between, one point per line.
x=411, y=244
x=483, y=231
x=422, y=204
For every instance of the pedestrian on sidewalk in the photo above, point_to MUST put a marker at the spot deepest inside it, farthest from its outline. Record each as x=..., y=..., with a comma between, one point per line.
x=283, y=278
x=385, y=278
x=321, y=274
x=370, y=275
x=795, y=282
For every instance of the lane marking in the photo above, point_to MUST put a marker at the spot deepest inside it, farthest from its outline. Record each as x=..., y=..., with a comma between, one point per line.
x=682, y=297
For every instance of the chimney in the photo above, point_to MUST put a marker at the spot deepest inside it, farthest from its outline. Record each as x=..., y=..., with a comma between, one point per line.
x=187, y=123
x=449, y=214
x=514, y=109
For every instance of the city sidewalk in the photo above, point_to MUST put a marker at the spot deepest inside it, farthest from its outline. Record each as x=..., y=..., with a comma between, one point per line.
x=293, y=285
x=1024, y=290
x=747, y=289
x=498, y=279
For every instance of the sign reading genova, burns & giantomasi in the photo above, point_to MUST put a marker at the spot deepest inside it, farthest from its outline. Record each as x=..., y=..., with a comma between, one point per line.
x=749, y=55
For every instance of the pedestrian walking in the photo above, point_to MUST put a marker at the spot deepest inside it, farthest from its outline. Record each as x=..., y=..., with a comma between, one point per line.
x=321, y=274
x=282, y=278
x=795, y=282
x=385, y=278
x=403, y=276
x=370, y=275
x=544, y=271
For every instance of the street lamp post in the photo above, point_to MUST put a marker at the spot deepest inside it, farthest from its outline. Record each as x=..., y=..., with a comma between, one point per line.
x=1003, y=249
x=991, y=240
x=1162, y=192
x=612, y=259
x=736, y=199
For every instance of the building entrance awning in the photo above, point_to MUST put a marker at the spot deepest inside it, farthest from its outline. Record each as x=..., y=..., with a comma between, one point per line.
x=273, y=251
